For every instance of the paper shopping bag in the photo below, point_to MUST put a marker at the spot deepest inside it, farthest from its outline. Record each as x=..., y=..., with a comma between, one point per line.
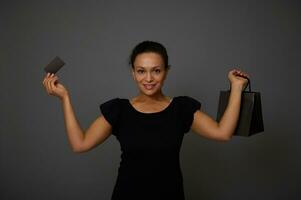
x=250, y=119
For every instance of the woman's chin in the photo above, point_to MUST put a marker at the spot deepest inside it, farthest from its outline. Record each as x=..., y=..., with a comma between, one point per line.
x=148, y=92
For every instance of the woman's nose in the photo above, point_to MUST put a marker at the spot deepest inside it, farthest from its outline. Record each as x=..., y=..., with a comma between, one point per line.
x=149, y=77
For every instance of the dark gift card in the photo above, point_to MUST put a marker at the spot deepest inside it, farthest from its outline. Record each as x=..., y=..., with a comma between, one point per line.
x=55, y=65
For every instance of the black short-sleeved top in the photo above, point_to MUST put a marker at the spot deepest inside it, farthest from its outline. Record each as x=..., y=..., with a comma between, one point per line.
x=150, y=145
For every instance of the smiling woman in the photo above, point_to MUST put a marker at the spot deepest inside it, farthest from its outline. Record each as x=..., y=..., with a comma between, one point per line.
x=149, y=127
x=149, y=73
x=149, y=65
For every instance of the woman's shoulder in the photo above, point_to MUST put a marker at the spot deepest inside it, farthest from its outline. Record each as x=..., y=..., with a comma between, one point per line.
x=188, y=101
x=184, y=98
x=111, y=106
x=112, y=103
x=114, y=100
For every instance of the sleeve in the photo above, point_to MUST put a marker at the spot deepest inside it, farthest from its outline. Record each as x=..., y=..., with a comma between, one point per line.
x=189, y=106
x=111, y=111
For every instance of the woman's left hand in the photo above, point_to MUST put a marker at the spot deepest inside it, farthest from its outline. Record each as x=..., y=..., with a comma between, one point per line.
x=237, y=79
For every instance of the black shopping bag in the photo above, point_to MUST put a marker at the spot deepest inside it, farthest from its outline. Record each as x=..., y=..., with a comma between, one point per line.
x=250, y=117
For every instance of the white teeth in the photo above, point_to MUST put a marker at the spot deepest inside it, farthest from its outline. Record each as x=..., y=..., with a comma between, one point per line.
x=149, y=86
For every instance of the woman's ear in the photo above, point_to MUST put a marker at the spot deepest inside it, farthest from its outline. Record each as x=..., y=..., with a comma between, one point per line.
x=133, y=74
x=166, y=72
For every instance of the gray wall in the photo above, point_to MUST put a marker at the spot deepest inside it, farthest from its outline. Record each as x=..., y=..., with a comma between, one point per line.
x=205, y=39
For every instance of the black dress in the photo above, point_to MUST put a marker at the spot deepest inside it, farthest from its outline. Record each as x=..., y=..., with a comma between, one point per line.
x=150, y=145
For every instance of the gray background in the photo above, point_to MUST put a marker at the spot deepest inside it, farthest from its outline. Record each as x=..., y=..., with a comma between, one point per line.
x=204, y=39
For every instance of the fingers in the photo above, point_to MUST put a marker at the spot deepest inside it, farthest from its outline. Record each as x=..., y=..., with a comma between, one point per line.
x=240, y=73
x=52, y=81
x=48, y=84
x=45, y=78
x=45, y=81
x=49, y=81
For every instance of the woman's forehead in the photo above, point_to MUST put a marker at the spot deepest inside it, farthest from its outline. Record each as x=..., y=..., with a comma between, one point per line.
x=148, y=60
x=149, y=57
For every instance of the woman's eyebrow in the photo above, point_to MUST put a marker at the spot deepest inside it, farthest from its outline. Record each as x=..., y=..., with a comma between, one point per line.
x=151, y=67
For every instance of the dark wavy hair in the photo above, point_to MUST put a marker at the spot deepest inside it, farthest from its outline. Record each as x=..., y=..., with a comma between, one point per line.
x=149, y=46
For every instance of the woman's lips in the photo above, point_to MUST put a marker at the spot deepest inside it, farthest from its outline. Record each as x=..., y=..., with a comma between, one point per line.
x=149, y=86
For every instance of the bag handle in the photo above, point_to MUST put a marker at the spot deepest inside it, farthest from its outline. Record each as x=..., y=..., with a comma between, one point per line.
x=248, y=84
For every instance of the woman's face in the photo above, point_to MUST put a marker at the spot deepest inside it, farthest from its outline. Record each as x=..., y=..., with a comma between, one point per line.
x=149, y=72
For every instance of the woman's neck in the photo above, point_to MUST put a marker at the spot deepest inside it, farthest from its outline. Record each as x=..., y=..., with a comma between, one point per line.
x=153, y=98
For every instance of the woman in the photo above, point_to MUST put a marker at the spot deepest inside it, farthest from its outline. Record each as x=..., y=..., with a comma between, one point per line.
x=150, y=127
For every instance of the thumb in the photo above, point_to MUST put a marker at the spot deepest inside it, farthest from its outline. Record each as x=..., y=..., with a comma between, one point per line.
x=53, y=82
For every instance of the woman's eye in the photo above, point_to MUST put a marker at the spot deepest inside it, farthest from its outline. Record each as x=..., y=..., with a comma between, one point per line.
x=157, y=70
x=139, y=71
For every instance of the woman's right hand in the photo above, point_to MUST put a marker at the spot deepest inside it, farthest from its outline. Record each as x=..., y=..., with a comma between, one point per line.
x=53, y=87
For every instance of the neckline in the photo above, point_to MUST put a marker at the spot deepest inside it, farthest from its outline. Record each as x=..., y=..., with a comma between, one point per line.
x=152, y=113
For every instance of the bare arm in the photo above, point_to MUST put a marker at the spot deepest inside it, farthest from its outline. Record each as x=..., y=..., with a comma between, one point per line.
x=229, y=119
x=98, y=131
x=205, y=126
x=80, y=142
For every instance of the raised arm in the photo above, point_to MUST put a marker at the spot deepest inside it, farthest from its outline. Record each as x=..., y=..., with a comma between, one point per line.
x=205, y=126
x=79, y=140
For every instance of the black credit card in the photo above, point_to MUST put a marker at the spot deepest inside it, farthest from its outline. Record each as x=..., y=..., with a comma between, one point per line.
x=55, y=65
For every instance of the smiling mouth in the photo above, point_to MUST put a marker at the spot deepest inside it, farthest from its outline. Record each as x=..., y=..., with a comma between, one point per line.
x=149, y=86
